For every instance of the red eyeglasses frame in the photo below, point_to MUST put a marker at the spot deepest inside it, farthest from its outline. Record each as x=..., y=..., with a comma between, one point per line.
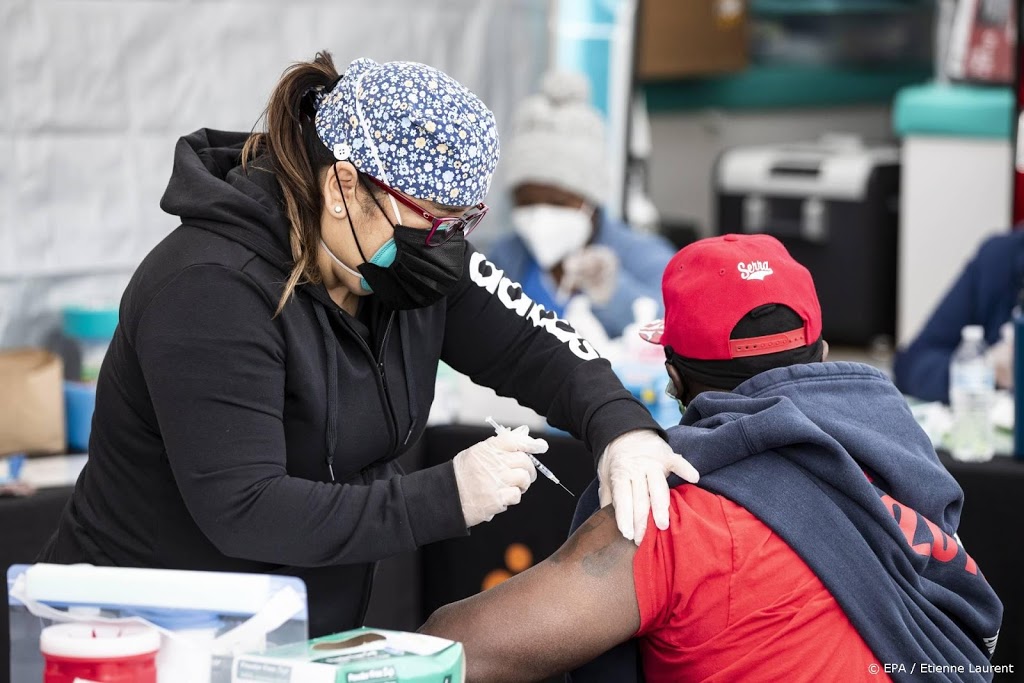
x=448, y=226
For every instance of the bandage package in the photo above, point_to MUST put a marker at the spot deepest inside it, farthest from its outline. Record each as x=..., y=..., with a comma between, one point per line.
x=364, y=655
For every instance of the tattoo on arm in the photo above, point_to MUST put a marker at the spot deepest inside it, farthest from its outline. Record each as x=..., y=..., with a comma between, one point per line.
x=602, y=560
x=568, y=549
x=595, y=558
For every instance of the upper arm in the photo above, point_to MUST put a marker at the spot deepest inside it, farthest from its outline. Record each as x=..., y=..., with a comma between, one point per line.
x=213, y=361
x=491, y=317
x=570, y=608
x=502, y=339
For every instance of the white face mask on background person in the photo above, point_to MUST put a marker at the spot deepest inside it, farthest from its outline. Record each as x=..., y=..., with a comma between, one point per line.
x=552, y=232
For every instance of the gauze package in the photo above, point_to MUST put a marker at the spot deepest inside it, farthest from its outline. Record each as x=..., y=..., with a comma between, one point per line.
x=364, y=655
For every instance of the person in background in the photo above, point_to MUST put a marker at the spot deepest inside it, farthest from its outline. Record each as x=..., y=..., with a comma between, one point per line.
x=277, y=352
x=985, y=294
x=820, y=546
x=564, y=242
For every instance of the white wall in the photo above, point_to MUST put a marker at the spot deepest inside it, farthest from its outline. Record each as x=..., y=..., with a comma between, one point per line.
x=94, y=93
x=686, y=145
x=955, y=192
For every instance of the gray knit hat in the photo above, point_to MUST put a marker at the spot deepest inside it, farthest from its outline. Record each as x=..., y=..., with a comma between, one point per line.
x=558, y=139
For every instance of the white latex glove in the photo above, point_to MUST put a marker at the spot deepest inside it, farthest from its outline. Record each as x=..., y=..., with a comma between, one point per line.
x=632, y=474
x=592, y=270
x=495, y=473
x=1001, y=354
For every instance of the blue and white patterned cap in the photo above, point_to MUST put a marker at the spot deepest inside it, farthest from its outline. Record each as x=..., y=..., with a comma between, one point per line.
x=412, y=127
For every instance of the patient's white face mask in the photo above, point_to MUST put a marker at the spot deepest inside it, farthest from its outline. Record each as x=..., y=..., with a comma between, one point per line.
x=552, y=232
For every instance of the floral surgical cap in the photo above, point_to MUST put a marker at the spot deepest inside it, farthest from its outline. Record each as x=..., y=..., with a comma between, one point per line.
x=412, y=127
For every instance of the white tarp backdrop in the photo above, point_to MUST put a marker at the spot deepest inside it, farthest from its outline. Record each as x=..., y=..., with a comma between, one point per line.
x=94, y=94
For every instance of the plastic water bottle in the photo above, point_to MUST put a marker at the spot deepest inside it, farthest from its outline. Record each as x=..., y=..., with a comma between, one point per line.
x=972, y=387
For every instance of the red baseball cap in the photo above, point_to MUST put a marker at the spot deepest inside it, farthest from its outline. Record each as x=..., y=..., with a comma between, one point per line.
x=710, y=285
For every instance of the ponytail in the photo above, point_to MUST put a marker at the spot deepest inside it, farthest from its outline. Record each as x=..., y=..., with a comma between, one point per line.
x=296, y=156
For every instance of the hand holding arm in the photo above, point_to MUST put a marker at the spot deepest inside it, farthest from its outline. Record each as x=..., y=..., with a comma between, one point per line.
x=632, y=473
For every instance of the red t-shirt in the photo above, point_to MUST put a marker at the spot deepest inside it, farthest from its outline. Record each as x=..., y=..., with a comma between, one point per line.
x=722, y=598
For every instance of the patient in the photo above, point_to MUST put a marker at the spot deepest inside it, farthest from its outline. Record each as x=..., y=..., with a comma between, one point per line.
x=820, y=545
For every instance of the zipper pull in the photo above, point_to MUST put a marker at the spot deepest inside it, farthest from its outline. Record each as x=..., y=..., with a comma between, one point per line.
x=330, y=468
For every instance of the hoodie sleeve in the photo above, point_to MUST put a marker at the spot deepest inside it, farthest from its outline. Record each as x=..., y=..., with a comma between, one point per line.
x=983, y=294
x=212, y=356
x=501, y=339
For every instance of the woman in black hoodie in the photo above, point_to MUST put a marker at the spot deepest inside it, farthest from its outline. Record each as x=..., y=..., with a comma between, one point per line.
x=277, y=352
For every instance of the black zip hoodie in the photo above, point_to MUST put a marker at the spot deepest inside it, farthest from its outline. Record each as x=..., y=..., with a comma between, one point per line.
x=226, y=438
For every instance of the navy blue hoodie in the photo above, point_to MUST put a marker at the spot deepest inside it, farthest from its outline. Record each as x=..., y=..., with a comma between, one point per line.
x=830, y=458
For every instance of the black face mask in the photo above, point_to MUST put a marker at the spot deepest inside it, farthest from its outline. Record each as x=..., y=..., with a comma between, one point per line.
x=420, y=275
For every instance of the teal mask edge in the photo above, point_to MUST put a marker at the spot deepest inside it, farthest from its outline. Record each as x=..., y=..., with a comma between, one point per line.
x=384, y=258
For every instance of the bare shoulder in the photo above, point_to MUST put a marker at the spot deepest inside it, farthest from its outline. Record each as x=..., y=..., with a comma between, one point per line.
x=597, y=547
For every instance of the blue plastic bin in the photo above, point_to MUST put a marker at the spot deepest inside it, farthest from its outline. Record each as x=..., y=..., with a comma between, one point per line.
x=79, y=404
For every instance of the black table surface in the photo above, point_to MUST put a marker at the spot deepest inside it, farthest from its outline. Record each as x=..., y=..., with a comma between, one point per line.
x=992, y=531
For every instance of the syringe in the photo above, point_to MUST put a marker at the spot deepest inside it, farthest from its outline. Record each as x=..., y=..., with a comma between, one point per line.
x=499, y=429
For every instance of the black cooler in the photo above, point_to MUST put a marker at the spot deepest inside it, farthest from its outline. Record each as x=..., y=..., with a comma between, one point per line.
x=835, y=205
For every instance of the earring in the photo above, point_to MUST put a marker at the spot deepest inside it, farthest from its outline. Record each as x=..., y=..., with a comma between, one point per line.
x=337, y=209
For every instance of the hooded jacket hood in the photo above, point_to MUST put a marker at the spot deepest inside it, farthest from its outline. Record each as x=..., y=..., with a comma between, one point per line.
x=850, y=415
x=209, y=189
x=829, y=456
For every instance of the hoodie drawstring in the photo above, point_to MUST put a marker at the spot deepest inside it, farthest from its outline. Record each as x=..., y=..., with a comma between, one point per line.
x=332, y=385
x=410, y=381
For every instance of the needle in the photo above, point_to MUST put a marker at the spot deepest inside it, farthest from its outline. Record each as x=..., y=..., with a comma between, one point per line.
x=499, y=429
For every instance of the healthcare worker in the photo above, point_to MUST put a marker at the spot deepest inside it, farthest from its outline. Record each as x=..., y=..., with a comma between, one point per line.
x=277, y=352
x=564, y=243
